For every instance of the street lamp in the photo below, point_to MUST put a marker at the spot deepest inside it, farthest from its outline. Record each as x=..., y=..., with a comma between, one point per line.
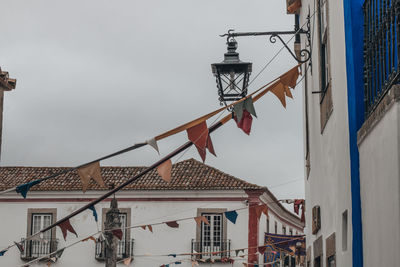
x=232, y=75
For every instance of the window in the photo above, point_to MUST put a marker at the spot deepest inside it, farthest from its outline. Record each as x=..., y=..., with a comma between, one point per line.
x=317, y=262
x=125, y=245
x=283, y=229
x=267, y=225
x=39, y=219
x=344, y=231
x=324, y=71
x=290, y=232
x=331, y=250
x=212, y=237
x=276, y=227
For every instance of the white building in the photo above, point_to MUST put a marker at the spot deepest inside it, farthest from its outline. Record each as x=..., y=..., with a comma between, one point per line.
x=352, y=132
x=196, y=189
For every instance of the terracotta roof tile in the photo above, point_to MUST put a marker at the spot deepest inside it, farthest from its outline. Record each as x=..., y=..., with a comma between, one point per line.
x=186, y=175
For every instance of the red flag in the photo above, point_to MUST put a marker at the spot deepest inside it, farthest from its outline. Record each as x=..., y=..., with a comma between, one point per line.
x=261, y=249
x=245, y=122
x=118, y=233
x=198, y=134
x=172, y=224
x=66, y=226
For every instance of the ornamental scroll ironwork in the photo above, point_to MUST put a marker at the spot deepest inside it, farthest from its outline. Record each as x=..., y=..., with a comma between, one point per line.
x=305, y=53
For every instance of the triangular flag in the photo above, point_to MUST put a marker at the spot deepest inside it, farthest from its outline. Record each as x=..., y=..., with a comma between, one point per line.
x=238, y=251
x=238, y=110
x=249, y=106
x=195, y=263
x=19, y=246
x=3, y=252
x=172, y=255
x=287, y=92
x=172, y=224
x=200, y=219
x=92, y=208
x=198, y=135
x=48, y=263
x=128, y=261
x=118, y=233
x=24, y=188
x=89, y=238
x=164, y=170
x=290, y=77
x=143, y=227
x=279, y=91
x=261, y=209
x=66, y=226
x=245, y=264
x=178, y=262
x=245, y=122
x=150, y=228
x=261, y=249
x=91, y=171
x=153, y=143
x=231, y=216
x=210, y=146
x=294, y=7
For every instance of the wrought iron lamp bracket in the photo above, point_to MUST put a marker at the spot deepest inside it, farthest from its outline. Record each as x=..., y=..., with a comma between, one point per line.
x=305, y=53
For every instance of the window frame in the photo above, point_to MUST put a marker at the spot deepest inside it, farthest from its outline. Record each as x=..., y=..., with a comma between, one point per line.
x=325, y=80
x=127, y=232
x=44, y=211
x=199, y=228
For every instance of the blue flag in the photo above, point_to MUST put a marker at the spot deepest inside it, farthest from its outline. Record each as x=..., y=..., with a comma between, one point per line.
x=24, y=188
x=231, y=215
x=94, y=212
x=172, y=255
x=3, y=252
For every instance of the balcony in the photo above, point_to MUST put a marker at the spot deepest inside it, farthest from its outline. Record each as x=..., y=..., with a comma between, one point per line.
x=211, y=250
x=35, y=249
x=124, y=249
x=381, y=50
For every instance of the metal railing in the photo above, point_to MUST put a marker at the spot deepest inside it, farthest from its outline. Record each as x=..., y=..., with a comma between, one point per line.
x=211, y=249
x=124, y=249
x=33, y=249
x=381, y=50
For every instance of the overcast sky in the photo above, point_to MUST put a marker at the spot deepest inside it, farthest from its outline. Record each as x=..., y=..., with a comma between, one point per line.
x=97, y=76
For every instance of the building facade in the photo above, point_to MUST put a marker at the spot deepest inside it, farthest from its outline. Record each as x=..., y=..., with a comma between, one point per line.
x=195, y=190
x=352, y=132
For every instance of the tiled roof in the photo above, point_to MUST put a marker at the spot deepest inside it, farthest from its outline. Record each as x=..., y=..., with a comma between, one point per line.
x=186, y=175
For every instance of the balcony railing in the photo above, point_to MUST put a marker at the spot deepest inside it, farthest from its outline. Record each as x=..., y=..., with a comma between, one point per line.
x=218, y=251
x=381, y=50
x=35, y=249
x=124, y=249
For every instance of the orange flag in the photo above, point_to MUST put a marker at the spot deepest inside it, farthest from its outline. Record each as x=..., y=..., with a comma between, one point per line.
x=294, y=7
x=150, y=228
x=279, y=91
x=195, y=263
x=88, y=172
x=143, y=227
x=200, y=219
x=65, y=227
x=287, y=91
x=200, y=137
x=290, y=77
x=90, y=238
x=128, y=261
x=164, y=170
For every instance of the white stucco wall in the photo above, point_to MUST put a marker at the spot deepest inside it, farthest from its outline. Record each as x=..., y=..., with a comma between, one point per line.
x=163, y=240
x=328, y=184
x=380, y=190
